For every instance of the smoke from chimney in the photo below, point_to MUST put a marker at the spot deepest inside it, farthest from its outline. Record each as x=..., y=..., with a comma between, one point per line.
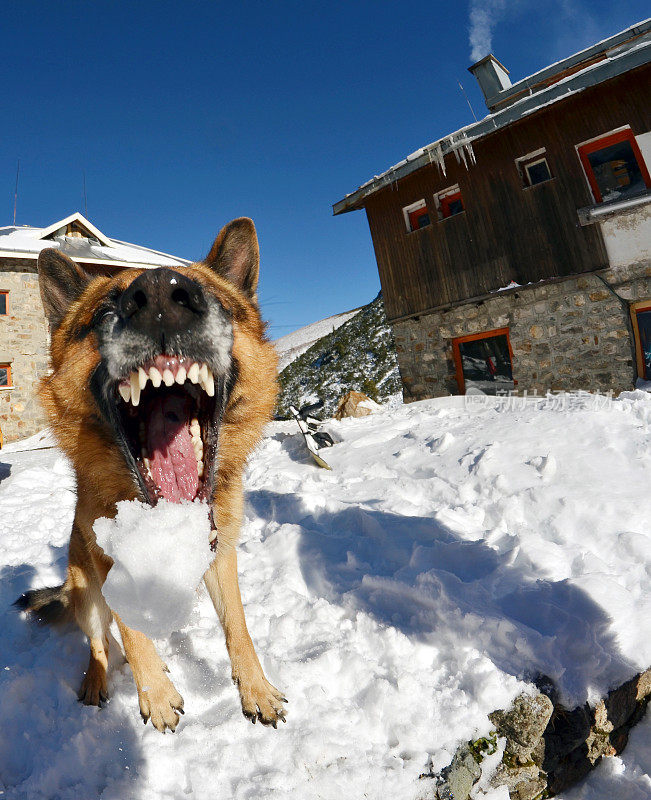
x=484, y=15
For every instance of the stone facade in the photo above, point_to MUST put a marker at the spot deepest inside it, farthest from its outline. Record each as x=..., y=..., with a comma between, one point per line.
x=565, y=334
x=24, y=344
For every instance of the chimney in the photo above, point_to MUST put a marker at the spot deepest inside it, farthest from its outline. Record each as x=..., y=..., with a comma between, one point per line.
x=492, y=77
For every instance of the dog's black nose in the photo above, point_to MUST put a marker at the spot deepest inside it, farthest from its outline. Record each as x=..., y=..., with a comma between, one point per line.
x=162, y=300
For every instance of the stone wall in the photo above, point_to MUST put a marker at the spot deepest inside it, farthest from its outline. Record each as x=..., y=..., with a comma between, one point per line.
x=566, y=334
x=23, y=343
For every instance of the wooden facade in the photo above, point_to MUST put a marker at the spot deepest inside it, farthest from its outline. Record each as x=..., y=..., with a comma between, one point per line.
x=506, y=232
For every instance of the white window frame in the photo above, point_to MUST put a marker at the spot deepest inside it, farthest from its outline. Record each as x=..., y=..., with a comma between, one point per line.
x=445, y=193
x=530, y=160
x=407, y=210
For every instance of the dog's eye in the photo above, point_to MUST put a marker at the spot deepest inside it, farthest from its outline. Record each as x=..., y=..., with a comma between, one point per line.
x=96, y=320
x=103, y=314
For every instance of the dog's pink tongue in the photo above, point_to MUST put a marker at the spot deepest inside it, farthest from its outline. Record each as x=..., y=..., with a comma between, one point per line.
x=172, y=462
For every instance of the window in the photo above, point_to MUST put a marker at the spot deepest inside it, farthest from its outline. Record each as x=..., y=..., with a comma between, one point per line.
x=614, y=166
x=416, y=216
x=483, y=362
x=533, y=168
x=641, y=314
x=5, y=376
x=4, y=303
x=449, y=202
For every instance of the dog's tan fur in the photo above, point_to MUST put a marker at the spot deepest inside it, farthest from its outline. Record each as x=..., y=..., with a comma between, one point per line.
x=230, y=273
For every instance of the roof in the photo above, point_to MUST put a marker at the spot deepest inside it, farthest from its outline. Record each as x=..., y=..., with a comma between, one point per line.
x=78, y=238
x=621, y=53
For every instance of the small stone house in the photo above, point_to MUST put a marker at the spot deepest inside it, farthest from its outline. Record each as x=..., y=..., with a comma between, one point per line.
x=515, y=253
x=24, y=335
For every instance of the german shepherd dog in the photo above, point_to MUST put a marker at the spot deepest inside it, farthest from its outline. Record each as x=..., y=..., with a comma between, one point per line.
x=162, y=381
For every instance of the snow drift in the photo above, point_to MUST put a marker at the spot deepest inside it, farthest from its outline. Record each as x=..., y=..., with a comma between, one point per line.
x=458, y=547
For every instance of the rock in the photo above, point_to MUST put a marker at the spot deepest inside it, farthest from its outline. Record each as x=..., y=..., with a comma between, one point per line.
x=566, y=731
x=644, y=685
x=621, y=703
x=524, y=782
x=355, y=404
x=457, y=780
x=524, y=725
x=571, y=770
x=548, y=748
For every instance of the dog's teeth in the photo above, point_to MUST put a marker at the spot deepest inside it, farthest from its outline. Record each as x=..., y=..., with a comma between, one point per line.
x=203, y=374
x=135, y=388
x=181, y=375
x=156, y=377
x=193, y=373
x=200, y=468
x=198, y=449
x=142, y=378
x=195, y=428
x=209, y=384
x=168, y=377
x=125, y=391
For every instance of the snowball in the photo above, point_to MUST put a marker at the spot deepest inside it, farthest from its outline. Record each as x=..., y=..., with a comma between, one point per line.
x=160, y=555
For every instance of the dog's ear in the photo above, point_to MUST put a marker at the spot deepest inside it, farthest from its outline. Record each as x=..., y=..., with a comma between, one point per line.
x=61, y=282
x=236, y=257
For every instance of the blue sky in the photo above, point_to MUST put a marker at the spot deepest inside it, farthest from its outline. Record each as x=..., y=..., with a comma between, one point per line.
x=187, y=114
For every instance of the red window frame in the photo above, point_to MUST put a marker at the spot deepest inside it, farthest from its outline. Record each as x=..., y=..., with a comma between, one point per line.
x=10, y=383
x=414, y=217
x=626, y=135
x=637, y=308
x=446, y=201
x=5, y=313
x=473, y=337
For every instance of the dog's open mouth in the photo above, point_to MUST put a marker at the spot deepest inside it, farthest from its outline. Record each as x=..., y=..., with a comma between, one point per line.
x=170, y=414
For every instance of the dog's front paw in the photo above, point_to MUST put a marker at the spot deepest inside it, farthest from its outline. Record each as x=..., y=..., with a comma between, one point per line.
x=160, y=702
x=94, y=690
x=260, y=700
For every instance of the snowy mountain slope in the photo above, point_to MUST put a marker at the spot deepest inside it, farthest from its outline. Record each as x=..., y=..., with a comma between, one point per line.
x=293, y=344
x=398, y=600
x=359, y=355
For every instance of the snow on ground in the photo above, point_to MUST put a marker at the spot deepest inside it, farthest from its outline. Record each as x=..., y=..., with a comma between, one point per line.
x=452, y=551
x=292, y=345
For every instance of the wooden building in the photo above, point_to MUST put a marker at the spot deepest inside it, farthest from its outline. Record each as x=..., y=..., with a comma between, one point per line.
x=515, y=253
x=24, y=335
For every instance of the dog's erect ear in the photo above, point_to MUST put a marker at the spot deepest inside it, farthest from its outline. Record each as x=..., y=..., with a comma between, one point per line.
x=235, y=255
x=61, y=282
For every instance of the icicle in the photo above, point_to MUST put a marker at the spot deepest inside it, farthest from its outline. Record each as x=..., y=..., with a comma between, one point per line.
x=438, y=153
x=462, y=153
x=471, y=153
x=455, y=150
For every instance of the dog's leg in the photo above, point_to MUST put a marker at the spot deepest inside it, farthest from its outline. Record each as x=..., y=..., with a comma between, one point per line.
x=157, y=695
x=87, y=572
x=260, y=700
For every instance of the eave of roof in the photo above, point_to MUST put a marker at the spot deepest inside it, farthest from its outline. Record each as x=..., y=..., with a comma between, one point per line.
x=76, y=217
x=606, y=48
x=596, y=73
x=26, y=242
x=109, y=262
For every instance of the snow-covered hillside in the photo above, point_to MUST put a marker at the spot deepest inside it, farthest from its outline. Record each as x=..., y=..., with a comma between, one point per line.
x=293, y=344
x=453, y=551
x=359, y=355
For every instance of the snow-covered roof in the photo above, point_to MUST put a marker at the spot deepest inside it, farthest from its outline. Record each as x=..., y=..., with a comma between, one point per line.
x=621, y=53
x=87, y=244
